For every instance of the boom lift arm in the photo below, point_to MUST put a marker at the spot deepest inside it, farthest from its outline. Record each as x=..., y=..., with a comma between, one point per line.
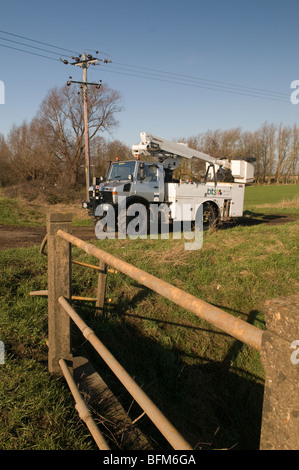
x=170, y=154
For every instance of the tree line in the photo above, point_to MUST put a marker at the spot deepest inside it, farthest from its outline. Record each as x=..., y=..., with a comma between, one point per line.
x=275, y=148
x=47, y=155
x=48, y=152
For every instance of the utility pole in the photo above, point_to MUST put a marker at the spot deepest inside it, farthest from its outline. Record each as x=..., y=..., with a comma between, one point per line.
x=84, y=62
x=86, y=130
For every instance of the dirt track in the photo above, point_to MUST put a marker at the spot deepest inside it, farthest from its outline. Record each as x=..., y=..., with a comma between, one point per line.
x=18, y=237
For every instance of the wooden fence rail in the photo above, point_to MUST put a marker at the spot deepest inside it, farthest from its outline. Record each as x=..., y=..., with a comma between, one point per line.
x=283, y=416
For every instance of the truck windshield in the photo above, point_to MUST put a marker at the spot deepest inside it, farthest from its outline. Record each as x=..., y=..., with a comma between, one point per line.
x=121, y=170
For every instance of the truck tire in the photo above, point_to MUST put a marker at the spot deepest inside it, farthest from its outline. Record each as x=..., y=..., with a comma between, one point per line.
x=103, y=230
x=142, y=227
x=95, y=220
x=209, y=217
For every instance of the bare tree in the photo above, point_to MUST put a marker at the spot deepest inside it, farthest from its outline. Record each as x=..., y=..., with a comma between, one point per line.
x=61, y=123
x=271, y=152
x=27, y=155
x=104, y=151
x=6, y=169
x=210, y=142
x=283, y=141
x=276, y=150
x=230, y=142
x=293, y=157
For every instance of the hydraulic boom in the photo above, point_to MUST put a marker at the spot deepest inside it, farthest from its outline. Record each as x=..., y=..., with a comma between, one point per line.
x=170, y=153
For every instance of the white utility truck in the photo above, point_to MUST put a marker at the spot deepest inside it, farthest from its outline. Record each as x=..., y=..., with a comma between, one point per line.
x=150, y=182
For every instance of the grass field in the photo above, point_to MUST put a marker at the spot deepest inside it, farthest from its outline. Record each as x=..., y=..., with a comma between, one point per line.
x=273, y=198
x=19, y=212
x=209, y=385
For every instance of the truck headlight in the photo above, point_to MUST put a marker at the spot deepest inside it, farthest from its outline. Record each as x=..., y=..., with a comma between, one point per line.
x=84, y=205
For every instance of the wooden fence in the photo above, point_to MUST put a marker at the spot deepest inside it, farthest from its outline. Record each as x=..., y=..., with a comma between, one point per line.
x=280, y=421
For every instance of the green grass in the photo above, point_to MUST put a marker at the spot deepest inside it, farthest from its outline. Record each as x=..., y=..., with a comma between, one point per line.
x=86, y=222
x=276, y=198
x=270, y=194
x=272, y=198
x=205, y=380
x=207, y=383
x=36, y=409
x=22, y=213
x=13, y=212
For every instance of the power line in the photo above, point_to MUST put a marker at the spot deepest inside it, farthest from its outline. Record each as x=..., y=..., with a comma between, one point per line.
x=32, y=47
x=39, y=42
x=211, y=87
x=159, y=75
x=28, y=52
x=192, y=78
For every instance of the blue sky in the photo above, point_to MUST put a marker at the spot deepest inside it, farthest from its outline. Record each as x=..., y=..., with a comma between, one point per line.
x=247, y=44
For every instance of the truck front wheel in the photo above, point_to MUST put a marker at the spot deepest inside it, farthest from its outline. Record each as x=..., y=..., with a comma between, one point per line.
x=134, y=220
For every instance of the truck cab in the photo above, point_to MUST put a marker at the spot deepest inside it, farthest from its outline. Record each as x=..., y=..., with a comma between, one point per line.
x=136, y=180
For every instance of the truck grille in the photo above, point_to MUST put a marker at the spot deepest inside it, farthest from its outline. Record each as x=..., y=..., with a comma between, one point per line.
x=106, y=196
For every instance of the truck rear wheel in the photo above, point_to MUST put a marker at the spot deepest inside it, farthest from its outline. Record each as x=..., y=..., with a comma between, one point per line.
x=209, y=217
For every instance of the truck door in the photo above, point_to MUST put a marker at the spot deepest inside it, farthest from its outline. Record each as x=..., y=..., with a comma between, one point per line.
x=149, y=182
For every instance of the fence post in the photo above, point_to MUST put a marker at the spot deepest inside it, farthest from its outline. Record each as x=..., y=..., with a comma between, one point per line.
x=59, y=283
x=280, y=359
x=101, y=289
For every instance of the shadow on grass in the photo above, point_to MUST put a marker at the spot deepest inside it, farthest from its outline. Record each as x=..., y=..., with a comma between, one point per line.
x=212, y=404
x=255, y=218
